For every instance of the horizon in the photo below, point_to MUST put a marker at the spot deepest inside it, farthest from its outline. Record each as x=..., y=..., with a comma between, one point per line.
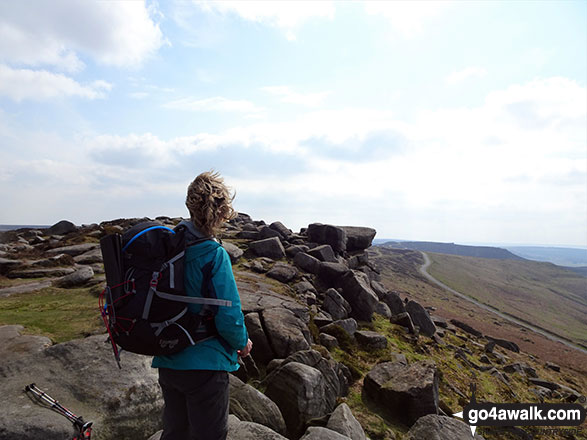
x=418, y=119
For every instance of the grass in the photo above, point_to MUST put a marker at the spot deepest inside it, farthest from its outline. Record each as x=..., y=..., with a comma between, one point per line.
x=60, y=314
x=539, y=293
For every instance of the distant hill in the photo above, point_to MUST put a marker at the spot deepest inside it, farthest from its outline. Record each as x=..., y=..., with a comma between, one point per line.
x=560, y=256
x=454, y=249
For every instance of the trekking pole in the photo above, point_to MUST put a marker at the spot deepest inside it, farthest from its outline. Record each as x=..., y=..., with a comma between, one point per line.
x=84, y=428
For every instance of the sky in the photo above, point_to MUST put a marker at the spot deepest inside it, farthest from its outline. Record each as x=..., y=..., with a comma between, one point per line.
x=460, y=121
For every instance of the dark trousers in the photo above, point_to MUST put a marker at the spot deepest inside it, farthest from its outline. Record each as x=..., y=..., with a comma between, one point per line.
x=196, y=404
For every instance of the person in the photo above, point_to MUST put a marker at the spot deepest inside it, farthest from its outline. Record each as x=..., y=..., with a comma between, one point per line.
x=195, y=381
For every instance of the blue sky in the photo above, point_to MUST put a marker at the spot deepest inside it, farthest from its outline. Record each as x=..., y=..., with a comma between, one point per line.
x=445, y=121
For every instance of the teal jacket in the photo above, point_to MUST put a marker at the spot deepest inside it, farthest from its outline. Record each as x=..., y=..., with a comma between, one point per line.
x=211, y=354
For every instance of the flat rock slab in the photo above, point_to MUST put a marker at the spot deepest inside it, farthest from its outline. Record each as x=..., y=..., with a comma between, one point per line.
x=24, y=288
x=14, y=344
x=82, y=375
x=76, y=249
x=41, y=272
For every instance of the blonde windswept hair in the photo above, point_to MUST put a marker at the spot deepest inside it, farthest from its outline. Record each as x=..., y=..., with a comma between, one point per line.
x=209, y=202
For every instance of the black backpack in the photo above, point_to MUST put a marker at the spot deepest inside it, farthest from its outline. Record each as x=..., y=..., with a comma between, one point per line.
x=144, y=305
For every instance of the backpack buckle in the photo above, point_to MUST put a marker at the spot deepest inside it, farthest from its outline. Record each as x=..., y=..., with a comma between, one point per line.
x=155, y=279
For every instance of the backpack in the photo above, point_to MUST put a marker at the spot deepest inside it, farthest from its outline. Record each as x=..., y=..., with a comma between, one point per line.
x=144, y=304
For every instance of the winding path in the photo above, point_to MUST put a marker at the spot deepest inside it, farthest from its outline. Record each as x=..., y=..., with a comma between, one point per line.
x=551, y=336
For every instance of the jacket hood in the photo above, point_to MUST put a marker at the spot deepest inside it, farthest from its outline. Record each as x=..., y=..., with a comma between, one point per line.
x=193, y=234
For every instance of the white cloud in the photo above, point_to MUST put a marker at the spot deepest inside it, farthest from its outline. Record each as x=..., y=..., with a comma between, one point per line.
x=459, y=76
x=289, y=96
x=287, y=15
x=407, y=17
x=59, y=33
x=217, y=103
x=25, y=84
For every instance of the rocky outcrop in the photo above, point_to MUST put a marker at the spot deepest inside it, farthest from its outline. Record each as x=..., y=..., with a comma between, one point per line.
x=358, y=238
x=333, y=236
x=269, y=247
x=403, y=392
x=421, y=318
x=250, y=405
x=300, y=393
x=356, y=289
x=344, y=422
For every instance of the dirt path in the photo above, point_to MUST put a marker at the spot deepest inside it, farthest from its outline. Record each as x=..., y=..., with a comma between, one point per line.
x=553, y=337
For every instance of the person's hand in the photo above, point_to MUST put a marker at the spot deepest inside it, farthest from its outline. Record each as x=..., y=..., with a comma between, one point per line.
x=244, y=352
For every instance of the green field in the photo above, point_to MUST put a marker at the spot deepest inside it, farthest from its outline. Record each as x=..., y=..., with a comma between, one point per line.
x=541, y=294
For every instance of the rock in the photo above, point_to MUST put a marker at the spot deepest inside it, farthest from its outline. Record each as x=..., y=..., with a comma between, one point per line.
x=41, y=272
x=421, y=318
x=238, y=430
x=300, y=393
x=404, y=393
x=348, y=325
x=370, y=340
x=356, y=289
x=544, y=383
x=358, y=260
x=322, y=319
x=335, y=382
x=394, y=302
x=435, y=427
x=336, y=305
x=327, y=234
x=267, y=232
x=61, y=228
x=59, y=260
x=83, y=376
x=7, y=264
x=24, y=288
x=378, y=288
x=383, y=309
x=328, y=341
x=553, y=367
x=248, y=235
x=358, y=238
x=282, y=272
x=320, y=433
x=489, y=347
x=295, y=249
x=269, y=247
x=78, y=278
x=90, y=257
x=323, y=253
x=344, y=422
x=286, y=332
x=234, y=252
x=508, y=345
x=303, y=287
x=14, y=344
x=76, y=249
x=263, y=353
x=404, y=320
x=541, y=392
x=307, y=262
x=466, y=327
x=250, y=405
x=332, y=272
x=284, y=232
x=439, y=322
